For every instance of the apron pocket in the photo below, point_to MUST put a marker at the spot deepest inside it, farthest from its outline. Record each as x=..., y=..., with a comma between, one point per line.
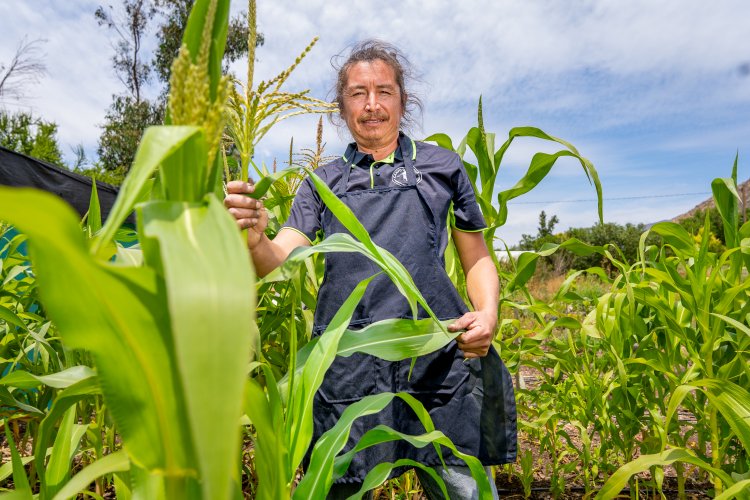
x=440, y=374
x=350, y=379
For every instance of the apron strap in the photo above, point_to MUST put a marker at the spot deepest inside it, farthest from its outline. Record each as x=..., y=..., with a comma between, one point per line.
x=405, y=143
x=407, y=151
x=351, y=151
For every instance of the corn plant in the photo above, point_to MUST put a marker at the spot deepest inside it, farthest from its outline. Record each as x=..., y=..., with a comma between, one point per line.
x=28, y=340
x=253, y=111
x=484, y=174
x=174, y=397
x=696, y=302
x=281, y=335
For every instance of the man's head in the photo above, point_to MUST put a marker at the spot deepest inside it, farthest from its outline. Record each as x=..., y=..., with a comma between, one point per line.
x=371, y=93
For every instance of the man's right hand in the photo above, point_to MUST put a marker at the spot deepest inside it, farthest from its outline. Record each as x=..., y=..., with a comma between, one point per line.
x=247, y=212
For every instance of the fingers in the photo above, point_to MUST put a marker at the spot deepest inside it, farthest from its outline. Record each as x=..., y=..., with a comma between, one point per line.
x=242, y=202
x=240, y=187
x=461, y=323
x=248, y=223
x=476, y=340
x=246, y=213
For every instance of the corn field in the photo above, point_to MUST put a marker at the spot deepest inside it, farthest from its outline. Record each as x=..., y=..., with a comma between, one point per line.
x=169, y=370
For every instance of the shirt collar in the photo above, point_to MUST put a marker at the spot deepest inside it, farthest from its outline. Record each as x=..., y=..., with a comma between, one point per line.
x=365, y=159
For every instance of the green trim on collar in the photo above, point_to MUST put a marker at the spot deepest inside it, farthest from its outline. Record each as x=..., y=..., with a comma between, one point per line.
x=396, y=154
x=388, y=159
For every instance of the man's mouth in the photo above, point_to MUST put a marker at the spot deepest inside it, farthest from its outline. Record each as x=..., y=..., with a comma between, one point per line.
x=373, y=120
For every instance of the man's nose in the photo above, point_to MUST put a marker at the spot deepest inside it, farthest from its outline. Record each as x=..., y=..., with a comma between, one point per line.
x=372, y=100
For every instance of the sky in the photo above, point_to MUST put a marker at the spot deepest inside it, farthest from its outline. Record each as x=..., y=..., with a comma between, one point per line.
x=656, y=94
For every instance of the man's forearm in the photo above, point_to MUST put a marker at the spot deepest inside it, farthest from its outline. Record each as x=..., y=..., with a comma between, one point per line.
x=267, y=256
x=483, y=286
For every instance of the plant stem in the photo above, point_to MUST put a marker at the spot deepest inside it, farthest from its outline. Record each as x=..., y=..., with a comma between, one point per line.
x=715, y=459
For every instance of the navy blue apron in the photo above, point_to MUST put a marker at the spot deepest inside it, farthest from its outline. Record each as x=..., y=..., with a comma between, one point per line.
x=472, y=402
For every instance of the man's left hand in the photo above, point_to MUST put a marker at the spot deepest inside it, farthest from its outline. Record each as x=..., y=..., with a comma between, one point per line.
x=480, y=327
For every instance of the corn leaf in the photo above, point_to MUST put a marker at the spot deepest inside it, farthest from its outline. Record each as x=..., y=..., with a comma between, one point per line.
x=64, y=400
x=379, y=474
x=21, y=482
x=541, y=164
x=341, y=242
x=299, y=414
x=59, y=380
x=94, y=215
x=114, y=462
x=210, y=292
x=733, y=402
x=396, y=339
x=182, y=176
x=319, y=477
x=10, y=317
x=390, y=265
x=382, y=434
x=9, y=400
x=727, y=200
x=526, y=262
x=158, y=143
x=263, y=185
x=6, y=470
x=619, y=479
x=675, y=236
x=119, y=316
x=737, y=490
x=271, y=449
x=390, y=339
x=63, y=450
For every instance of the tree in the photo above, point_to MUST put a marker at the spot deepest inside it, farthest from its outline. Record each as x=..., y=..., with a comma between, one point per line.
x=131, y=113
x=25, y=67
x=544, y=233
x=169, y=35
x=23, y=133
x=130, y=25
x=124, y=123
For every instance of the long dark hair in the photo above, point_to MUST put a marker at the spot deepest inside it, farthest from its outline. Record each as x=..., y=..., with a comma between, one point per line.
x=373, y=50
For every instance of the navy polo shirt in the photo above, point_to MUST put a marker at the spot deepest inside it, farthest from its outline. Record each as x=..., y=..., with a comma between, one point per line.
x=441, y=178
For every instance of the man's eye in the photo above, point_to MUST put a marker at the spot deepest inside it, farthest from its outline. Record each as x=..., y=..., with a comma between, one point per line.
x=358, y=93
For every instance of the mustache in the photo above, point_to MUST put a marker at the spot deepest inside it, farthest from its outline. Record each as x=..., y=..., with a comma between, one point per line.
x=373, y=116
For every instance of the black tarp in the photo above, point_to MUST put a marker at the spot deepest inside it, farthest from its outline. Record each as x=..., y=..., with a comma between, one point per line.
x=24, y=171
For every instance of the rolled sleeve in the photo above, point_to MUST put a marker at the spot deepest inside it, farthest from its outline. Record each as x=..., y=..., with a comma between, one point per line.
x=468, y=215
x=305, y=215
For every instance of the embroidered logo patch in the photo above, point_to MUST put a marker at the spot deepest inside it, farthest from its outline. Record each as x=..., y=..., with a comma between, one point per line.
x=399, y=176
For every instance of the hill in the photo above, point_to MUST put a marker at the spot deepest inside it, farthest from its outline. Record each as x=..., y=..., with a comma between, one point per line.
x=743, y=189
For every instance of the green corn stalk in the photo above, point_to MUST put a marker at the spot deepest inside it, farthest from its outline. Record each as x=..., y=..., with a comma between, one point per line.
x=695, y=338
x=527, y=472
x=174, y=397
x=252, y=112
x=484, y=174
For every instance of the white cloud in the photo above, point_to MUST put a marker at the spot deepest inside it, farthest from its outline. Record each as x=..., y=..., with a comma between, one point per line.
x=651, y=92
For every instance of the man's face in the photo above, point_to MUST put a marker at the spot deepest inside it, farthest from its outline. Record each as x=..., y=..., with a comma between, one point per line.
x=372, y=104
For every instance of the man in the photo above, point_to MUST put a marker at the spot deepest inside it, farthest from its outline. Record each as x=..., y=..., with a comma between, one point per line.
x=402, y=191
